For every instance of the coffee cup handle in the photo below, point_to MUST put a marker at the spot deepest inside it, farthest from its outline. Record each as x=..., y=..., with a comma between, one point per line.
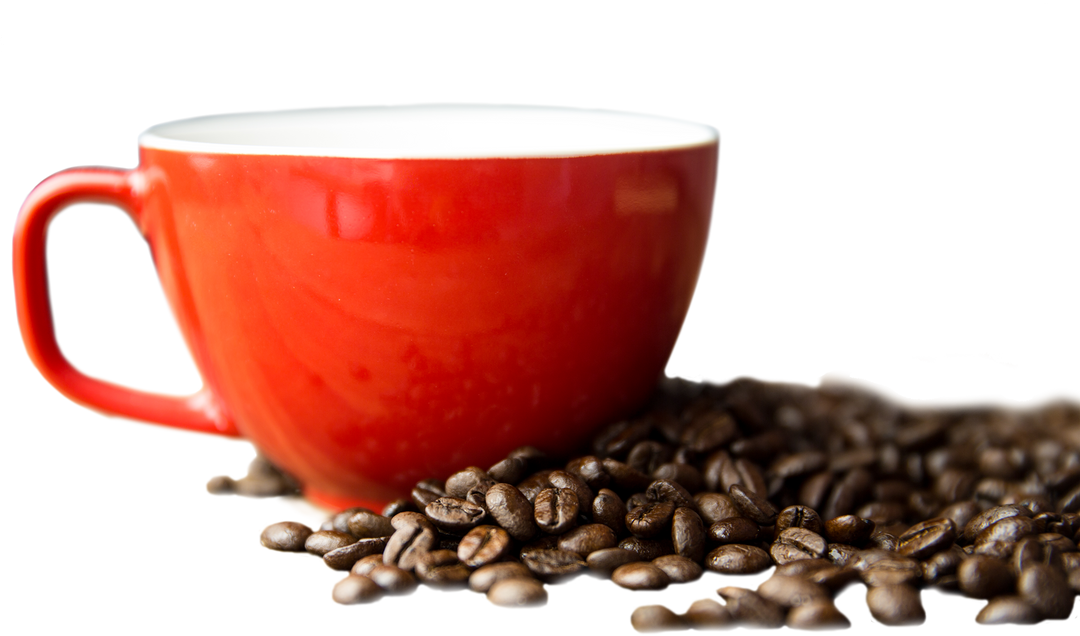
x=121, y=188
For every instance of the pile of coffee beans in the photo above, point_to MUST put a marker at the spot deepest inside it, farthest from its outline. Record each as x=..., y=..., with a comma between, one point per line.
x=831, y=486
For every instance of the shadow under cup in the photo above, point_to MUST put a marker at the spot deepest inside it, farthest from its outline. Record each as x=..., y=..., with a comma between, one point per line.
x=380, y=295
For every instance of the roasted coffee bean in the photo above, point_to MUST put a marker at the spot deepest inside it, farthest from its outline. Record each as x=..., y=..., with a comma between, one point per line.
x=286, y=536
x=797, y=543
x=671, y=492
x=648, y=455
x=569, y=481
x=961, y=513
x=543, y=542
x=442, y=568
x=738, y=559
x=798, y=464
x=656, y=618
x=882, y=539
x=745, y=474
x=355, y=589
x=818, y=613
x=421, y=497
x=517, y=592
x=1009, y=530
x=364, y=565
x=484, y=577
x=984, y=577
x=392, y=578
x=688, y=534
x=895, y=605
x=707, y=614
x=533, y=484
x=584, y=540
x=942, y=564
x=883, y=513
x=849, y=529
x=396, y=506
x=345, y=557
x=625, y=480
x=637, y=500
x=709, y=432
x=686, y=475
x=814, y=492
x=678, y=568
x=512, y=511
x=651, y=520
x=460, y=483
x=714, y=506
x=414, y=536
x=1004, y=610
x=848, y=493
x=955, y=484
x=366, y=524
x=454, y=516
x=1043, y=587
x=842, y=554
x=752, y=506
x=590, y=470
x=879, y=567
x=617, y=439
x=532, y=456
x=734, y=530
x=926, y=538
x=483, y=545
x=989, y=517
x=799, y=517
x=549, y=565
x=556, y=510
x=323, y=541
x=647, y=549
x=751, y=609
x=791, y=591
x=508, y=471
x=609, y=509
x=605, y=561
x=1027, y=551
x=1000, y=550
x=640, y=575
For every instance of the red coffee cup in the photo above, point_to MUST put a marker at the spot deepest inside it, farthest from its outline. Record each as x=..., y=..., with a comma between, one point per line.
x=374, y=296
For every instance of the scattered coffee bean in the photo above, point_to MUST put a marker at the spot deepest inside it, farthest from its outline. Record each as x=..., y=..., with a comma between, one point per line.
x=797, y=543
x=391, y=578
x=366, y=524
x=926, y=538
x=442, y=568
x=483, y=545
x=345, y=557
x=365, y=565
x=751, y=609
x=556, y=510
x=895, y=605
x=818, y=613
x=286, y=536
x=734, y=530
x=656, y=618
x=550, y=565
x=584, y=540
x=791, y=591
x=356, y=589
x=517, y=592
x=707, y=614
x=640, y=576
x=679, y=568
x=323, y=541
x=738, y=559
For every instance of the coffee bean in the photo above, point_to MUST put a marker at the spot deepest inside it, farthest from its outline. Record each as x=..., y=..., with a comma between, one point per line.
x=460, y=483
x=738, y=559
x=421, y=497
x=651, y=520
x=678, y=568
x=686, y=475
x=799, y=517
x=556, y=510
x=441, y=568
x=286, y=536
x=549, y=565
x=656, y=618
x=1004, y=610
x=640, y=575
x=989, y=517
x=647, y=549
x=942, y=564
x=1043, y=587
x=396, y=506
x=533, y=484
x=797, y=543
x=508, y=471
x=517, y=592
x=848, y=493
x=926, y=538
x=984, y=577
x=1009, y=530
x=625, y=479
x=617, y=439
x=484, y=577
x=512, y=511
x=1000, y=550
x=883, y=540
x=587, y=539
x=883, y=513
x=609, y=509
x=355, y=589
x=707, y=614
x=791, y=591
x=414, y=537
x=648, y=455
x=345, y=557
x=961, y=513
x=364, y=565
x=815, y=490
x=751, y=609
x=569, y=481
x=688, y=534
x=391, y=578
x=323, y=541
x=842, y=554
x=709, y=432
x=879, y=567
x=713, y=507
x=849, y=529
x=752, y=506
x=590, y=470
x=734, y=530
x=454, y=516
x=483, y=545
x=895, y=605
x=819, y=613
x=605, y=561
x=366, y=524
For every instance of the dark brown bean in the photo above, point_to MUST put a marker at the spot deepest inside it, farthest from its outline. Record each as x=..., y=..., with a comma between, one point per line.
x=625, y=479
x=734, y=530
x=709, y=432
x=707, y=614
x=989, y=517
x=512, y=511
x=688, y=534
x=1043, y=587
x=926, y=538
x=651, y=520
x=584, y=540
x=791, y=591
x=647, y=549
x=555, y=510
x=569, y=481
x=678, y=568
x=713, y=507
x=392, y=578
x=517, y=592
x=366, y=524
x=355, y=589
x=1004, y=610
x=590, y=470
x=686, y=475
x=364, y=565
x=797, y=543
x=508, y=471
x=640, y=575
x=396, y=506
x=752, y=506
x=656, y=618
x=454, y=516
x=605, y=561
x=414, y=537
x=323, y=541
x=609, y=509
x=738, y=559
x=648, y=455
x=984, y=577
x=286, y=536
x=484, y=577
x=896, y=605
x=551, y=564
x=849, y=529
x=799, y=517
x=483, y=545
x=818, y=613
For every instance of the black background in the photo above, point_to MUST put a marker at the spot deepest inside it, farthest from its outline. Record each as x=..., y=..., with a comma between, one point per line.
x=881, y=190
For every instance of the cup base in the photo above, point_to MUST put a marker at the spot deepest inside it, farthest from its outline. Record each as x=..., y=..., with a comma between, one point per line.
x=336, y=503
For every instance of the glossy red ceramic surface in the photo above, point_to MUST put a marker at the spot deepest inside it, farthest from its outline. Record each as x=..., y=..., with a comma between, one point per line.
x=368, y=323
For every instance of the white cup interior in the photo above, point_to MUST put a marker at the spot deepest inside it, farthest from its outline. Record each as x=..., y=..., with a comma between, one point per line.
x=438, y=131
